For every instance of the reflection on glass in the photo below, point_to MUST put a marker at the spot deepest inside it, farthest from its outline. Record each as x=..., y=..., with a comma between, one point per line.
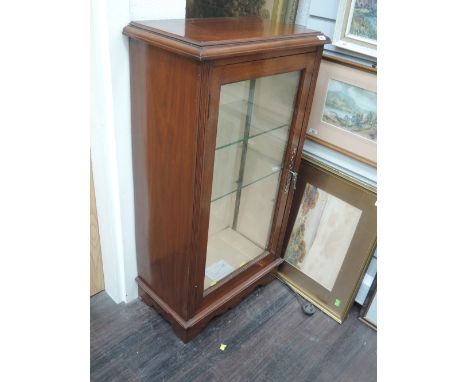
x=252, y=134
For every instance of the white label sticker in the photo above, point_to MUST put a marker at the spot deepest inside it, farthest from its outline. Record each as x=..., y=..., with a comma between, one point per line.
x=321, y=38
x=219, y=270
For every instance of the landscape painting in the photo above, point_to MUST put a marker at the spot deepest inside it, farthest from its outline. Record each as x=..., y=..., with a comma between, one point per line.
x=321, y=235
x=351, y=108
x=364, y=19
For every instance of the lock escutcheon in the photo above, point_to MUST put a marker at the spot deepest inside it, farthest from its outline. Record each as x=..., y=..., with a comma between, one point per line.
x=294, y=178
x=291, y=173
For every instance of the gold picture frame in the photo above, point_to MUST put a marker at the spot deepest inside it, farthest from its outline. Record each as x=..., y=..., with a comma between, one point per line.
x=330, y=237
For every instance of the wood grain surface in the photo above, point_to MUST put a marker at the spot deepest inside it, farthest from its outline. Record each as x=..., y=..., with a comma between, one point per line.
x=165, y=89
x=268, y=338
x=215, y=38
x=222, y=30
x=96, y=275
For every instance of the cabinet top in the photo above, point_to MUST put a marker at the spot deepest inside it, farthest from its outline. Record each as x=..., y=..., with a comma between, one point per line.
x=221, y=37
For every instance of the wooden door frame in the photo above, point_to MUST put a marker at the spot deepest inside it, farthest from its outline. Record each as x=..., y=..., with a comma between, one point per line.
x=307, y=63
x=96, y=268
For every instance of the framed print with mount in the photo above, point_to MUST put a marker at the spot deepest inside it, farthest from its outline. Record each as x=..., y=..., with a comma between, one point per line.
x=356, y=27
x=330, y=237
x=344, y=110
x=368, y=313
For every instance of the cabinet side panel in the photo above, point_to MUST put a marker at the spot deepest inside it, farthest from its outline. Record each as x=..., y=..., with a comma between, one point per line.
x=164, y=105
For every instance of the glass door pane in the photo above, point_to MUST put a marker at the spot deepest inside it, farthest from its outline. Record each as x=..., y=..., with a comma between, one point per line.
x=252, y=135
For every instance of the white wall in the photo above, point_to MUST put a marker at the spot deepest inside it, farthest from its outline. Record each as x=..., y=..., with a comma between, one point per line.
x=157, y=9
x=111, y=134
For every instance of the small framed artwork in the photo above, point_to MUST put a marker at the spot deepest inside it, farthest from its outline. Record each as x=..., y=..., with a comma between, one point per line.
x=344, y=110
x=356, y=26
x=368, y=313
x=330, y=237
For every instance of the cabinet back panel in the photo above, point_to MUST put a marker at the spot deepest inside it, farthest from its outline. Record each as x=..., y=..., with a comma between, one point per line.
x=164, y=137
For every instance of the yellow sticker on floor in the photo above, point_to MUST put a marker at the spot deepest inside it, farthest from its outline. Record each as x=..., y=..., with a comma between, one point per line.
x=222, y=347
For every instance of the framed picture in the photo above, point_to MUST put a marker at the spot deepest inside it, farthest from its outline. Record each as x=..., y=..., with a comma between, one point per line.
x=356, y=26
x=275, y=10
x=330, y=237
x=368, y=313
x=344, y=110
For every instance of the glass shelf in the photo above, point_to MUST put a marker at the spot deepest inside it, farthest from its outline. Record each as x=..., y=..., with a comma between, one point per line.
x=261, y=161
x=231, y=123
x=246, y=185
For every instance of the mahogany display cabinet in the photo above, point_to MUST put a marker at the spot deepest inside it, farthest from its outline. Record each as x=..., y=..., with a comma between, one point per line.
x=219, y=114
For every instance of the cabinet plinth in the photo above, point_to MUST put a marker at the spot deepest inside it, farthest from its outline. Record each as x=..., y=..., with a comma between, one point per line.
x=219, y=115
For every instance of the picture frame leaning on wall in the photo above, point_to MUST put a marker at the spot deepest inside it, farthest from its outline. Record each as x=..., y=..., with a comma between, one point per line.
x=344, y=110
x=330, y=237
x=368, y=313
x=356, y=27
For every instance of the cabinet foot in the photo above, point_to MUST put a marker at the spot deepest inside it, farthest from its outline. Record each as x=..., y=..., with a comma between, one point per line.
x=188, y=329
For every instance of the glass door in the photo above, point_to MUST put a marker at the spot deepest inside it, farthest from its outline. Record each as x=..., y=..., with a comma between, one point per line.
x=252, y=136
